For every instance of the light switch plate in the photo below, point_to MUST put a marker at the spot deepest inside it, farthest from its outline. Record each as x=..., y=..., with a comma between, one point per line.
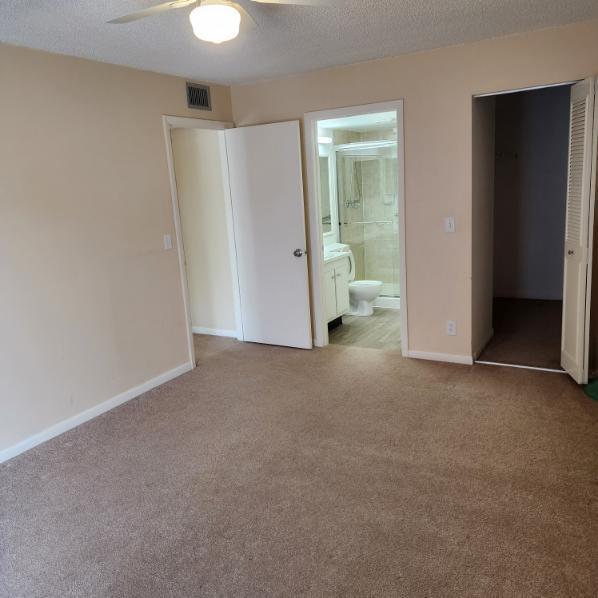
x=167, y=242
x=449, y=224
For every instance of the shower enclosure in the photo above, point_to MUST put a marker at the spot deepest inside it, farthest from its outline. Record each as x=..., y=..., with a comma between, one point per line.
x=368, y=213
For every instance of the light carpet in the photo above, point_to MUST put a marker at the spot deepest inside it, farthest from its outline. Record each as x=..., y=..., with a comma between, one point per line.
x=335, y=472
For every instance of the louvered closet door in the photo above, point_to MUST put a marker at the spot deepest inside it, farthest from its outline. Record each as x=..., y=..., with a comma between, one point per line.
x=578, y=236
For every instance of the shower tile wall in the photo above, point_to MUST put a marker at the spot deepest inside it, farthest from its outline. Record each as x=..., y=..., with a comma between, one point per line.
x=376, y=244
x=380, y=239
x=351, y=233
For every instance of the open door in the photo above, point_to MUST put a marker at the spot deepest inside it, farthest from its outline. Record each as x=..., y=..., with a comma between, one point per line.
x=269, y=227
x=579, y=231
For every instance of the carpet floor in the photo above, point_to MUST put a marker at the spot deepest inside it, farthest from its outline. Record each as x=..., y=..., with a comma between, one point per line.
x=526, y=332
x=335, y=472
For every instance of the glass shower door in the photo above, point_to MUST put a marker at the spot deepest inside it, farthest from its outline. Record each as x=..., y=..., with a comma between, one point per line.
x=368, y=211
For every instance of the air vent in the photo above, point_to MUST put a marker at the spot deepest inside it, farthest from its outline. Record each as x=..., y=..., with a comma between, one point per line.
x=198, y=96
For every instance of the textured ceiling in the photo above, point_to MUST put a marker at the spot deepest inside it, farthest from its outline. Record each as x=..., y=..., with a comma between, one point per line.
x=288, y=39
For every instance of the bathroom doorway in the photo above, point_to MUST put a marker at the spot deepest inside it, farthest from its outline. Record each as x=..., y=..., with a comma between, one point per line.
x=357, y=210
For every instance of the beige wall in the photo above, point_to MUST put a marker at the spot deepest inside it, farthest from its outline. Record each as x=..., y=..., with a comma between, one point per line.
x=200, y=189
x=482, y=218
x=437, y=87
x=91, y=303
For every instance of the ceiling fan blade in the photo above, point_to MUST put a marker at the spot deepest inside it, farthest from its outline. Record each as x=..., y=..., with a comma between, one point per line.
x=297, y=2
x=247, y=21
x=152, y=10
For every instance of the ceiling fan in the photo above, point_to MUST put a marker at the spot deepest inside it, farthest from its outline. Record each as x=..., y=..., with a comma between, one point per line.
x=213, y=21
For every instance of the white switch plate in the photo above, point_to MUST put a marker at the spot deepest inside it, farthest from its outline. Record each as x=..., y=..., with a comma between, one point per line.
x=167, y=242
x=449, y=224
x=451, y=327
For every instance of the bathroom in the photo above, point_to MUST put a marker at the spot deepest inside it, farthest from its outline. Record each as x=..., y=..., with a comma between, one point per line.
x=359, y=198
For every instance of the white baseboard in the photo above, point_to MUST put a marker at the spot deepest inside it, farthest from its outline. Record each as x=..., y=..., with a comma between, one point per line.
x=388, y=302
x=80, y=418
x=214, y=331
x=447, y=357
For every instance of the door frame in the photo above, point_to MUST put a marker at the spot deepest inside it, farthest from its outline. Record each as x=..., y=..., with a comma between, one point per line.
x=592, y=216
x=181, y=122
x=494, y=94
x=502, y=92
x=316, y=254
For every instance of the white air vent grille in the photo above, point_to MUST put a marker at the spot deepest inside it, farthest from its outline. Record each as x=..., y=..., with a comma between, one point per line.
x=576, y=164
x=198, y=96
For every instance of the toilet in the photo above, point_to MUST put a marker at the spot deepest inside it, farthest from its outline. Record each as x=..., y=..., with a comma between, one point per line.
x=362, y=293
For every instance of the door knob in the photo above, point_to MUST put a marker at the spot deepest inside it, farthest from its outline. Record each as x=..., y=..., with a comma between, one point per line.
x=299, y=252
x=570, y=252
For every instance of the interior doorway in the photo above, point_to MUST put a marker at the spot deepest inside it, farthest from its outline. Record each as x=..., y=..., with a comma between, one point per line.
x=356, y=204
x=196, y=158
x=533, y=204
x=238, y=208
x=530, y=193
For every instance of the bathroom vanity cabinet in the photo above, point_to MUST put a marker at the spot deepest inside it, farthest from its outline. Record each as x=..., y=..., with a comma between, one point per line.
x=336, y=287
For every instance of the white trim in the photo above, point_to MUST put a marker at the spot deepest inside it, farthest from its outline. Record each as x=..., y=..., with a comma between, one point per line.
x=315, y=254
x=180, y=122
x=215, y=331
x=521, y=367
x=184, y=122
x=388, y=302
x=179, y=235
x=84, y=416
x=531, y=88
x=353, y=145
x=446, y=357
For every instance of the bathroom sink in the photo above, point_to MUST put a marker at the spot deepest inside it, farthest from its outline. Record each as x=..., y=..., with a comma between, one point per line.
x=331, y=256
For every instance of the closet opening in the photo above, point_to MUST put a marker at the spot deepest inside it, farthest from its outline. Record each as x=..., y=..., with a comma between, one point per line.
x=532, y=224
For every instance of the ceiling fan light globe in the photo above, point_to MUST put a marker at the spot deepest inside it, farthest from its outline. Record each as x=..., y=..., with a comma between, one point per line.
x=215, y=23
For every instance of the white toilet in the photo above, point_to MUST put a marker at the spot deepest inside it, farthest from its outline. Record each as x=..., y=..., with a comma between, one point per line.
x=362, y=293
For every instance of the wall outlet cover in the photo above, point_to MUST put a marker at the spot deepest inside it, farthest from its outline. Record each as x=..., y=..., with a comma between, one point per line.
x=451, y=327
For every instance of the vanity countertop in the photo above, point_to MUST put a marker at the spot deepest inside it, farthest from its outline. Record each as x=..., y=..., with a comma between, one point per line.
x=335, y=256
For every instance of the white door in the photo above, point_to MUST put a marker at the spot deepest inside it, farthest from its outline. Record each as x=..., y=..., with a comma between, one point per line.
x=269, y=227
x=579, y=232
